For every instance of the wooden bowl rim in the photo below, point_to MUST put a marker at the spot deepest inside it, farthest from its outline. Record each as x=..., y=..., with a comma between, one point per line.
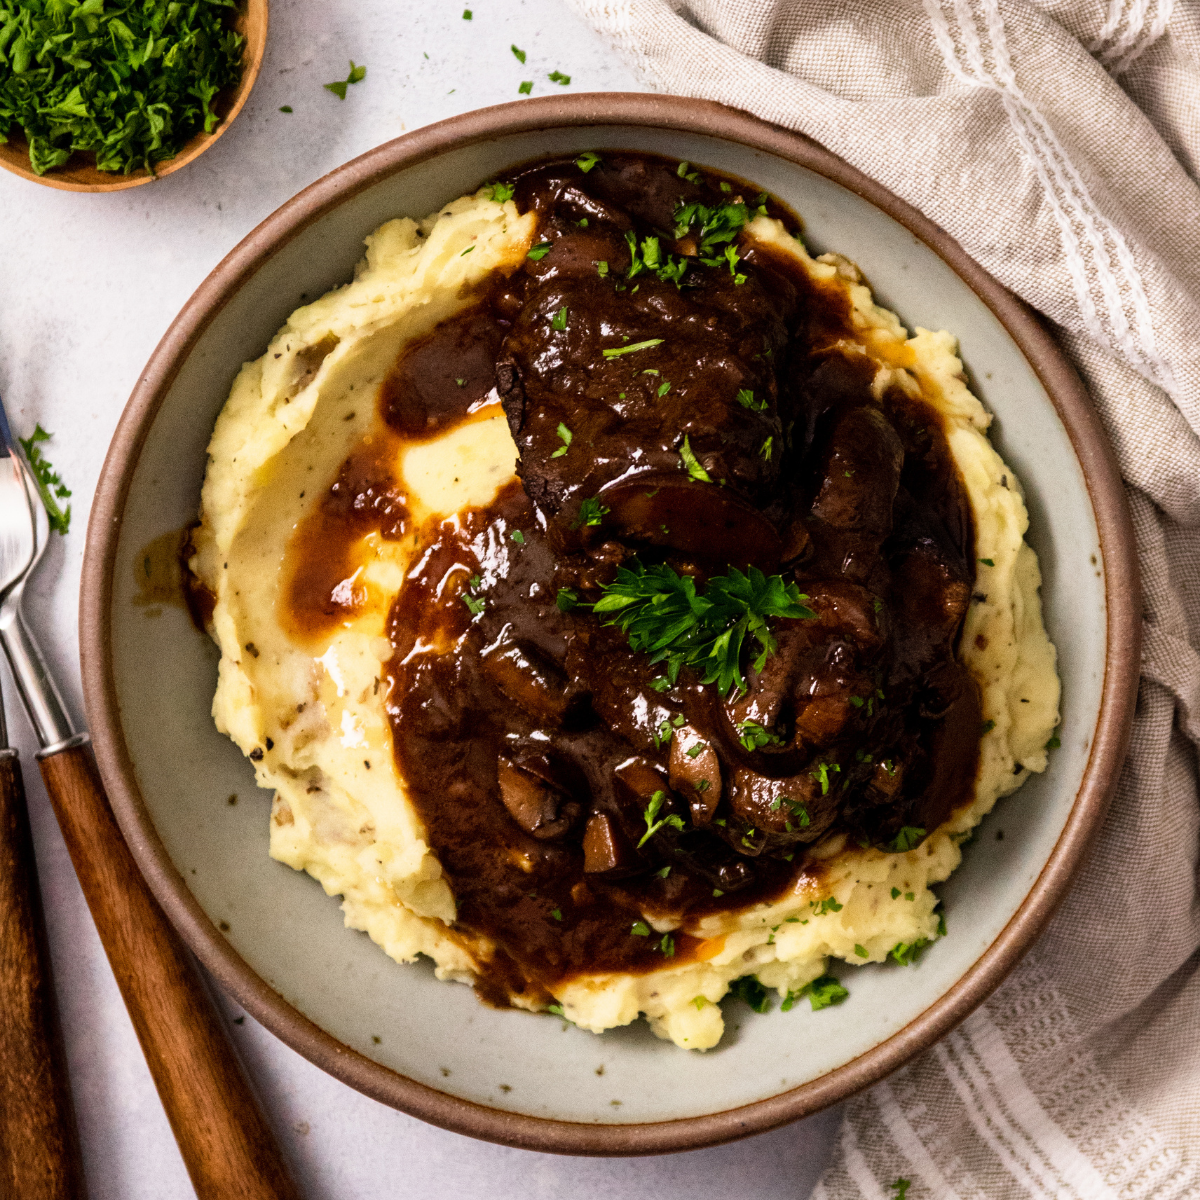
x=14, y=154
x=1109, y=742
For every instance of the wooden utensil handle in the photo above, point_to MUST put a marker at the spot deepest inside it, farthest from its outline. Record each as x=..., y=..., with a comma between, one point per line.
x=226, y=1144
x=39, y=1141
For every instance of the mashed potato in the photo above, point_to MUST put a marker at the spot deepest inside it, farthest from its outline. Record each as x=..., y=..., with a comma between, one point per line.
x=311, y=717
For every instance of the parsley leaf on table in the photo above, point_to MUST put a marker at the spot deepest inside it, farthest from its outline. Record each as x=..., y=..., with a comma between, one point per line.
x=357, y=75
x=49, y=484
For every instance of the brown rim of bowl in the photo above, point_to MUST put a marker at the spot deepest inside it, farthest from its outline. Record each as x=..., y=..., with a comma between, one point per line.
x=1109, y=741
x=83, y=176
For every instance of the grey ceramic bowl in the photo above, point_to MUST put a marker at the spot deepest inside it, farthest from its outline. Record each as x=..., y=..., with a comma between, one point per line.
x=273, y=938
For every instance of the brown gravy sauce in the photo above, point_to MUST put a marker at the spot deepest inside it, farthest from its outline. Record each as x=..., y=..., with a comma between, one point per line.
x=532, y=740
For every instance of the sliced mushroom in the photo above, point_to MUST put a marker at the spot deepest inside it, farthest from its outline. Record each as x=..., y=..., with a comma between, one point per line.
x=534, y=799
x=695, y=772
x=528, y=680
x=606, y=849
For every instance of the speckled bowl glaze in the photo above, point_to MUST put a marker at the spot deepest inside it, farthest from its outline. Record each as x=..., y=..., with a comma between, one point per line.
x=272, y=937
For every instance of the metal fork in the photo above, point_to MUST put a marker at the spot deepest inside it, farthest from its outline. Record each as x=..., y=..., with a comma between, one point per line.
x=24, y=535
x=225, y=1142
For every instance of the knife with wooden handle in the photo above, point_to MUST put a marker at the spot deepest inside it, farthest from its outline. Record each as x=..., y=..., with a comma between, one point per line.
x=39, y=1140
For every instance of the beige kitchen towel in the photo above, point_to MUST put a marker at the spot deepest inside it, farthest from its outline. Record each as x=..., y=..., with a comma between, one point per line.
x=1059, y=142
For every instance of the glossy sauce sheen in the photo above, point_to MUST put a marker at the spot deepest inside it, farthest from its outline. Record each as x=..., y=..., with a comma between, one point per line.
x=532, y=740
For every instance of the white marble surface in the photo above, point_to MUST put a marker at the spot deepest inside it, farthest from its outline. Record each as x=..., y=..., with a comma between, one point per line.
x=87, y=286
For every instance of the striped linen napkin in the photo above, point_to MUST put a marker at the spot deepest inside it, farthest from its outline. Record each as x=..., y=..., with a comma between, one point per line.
x=1059, y=142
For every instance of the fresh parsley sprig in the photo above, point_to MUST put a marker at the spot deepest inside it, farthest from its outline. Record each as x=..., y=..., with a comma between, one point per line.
x=665, y=617
x=653, y=822
x=715, y=227
x=49, y=484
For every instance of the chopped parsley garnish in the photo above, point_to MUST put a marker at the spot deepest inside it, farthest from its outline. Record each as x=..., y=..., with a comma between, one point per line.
x=467, y=14
x=906, y=953
x=987, y=562
x=540, y=251
x=821, y=774
x=691, y=463
x=909, y=837
x=663, y=872
x=745, y=398
x=663, y=388
x=617, y=351
x=765, y=449
x=559, y=320
x=717, y=893
x=467, y=251
x=649, y=257
x=1053, y=744
x=602, y=268
x=987, y=727
x=683, y=173
x=500, y=192
x=557, y=1010
x=895, y=893
x=475, y=604
x=564, y=436
x=640, y=929
x=699, y=1002
x=526, y=87
x=518, y=537
x=285, y=108
x=900, y=1187
x=829, y=904
x=749, y=989
x=49, y=484
x=566, y=599
x=821, y=993
x=586, y=161
x=716, y=227
x=732, y=257
x=556, y=913
x=518, y=53
x=754, y=737
x=794, y=807
x=860, y=950
x=653, y=822
x=667, y=946
x=697, y=750
x=661, y=684
x=357, y=75
x=130, y=82
x=668, y=619
x=559, y=77
x=591, y=512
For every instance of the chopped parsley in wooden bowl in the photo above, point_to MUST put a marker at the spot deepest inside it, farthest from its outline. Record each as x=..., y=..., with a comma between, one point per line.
x=101, y=95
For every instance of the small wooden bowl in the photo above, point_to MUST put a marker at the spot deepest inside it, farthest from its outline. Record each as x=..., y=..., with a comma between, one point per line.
x=79, y=173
